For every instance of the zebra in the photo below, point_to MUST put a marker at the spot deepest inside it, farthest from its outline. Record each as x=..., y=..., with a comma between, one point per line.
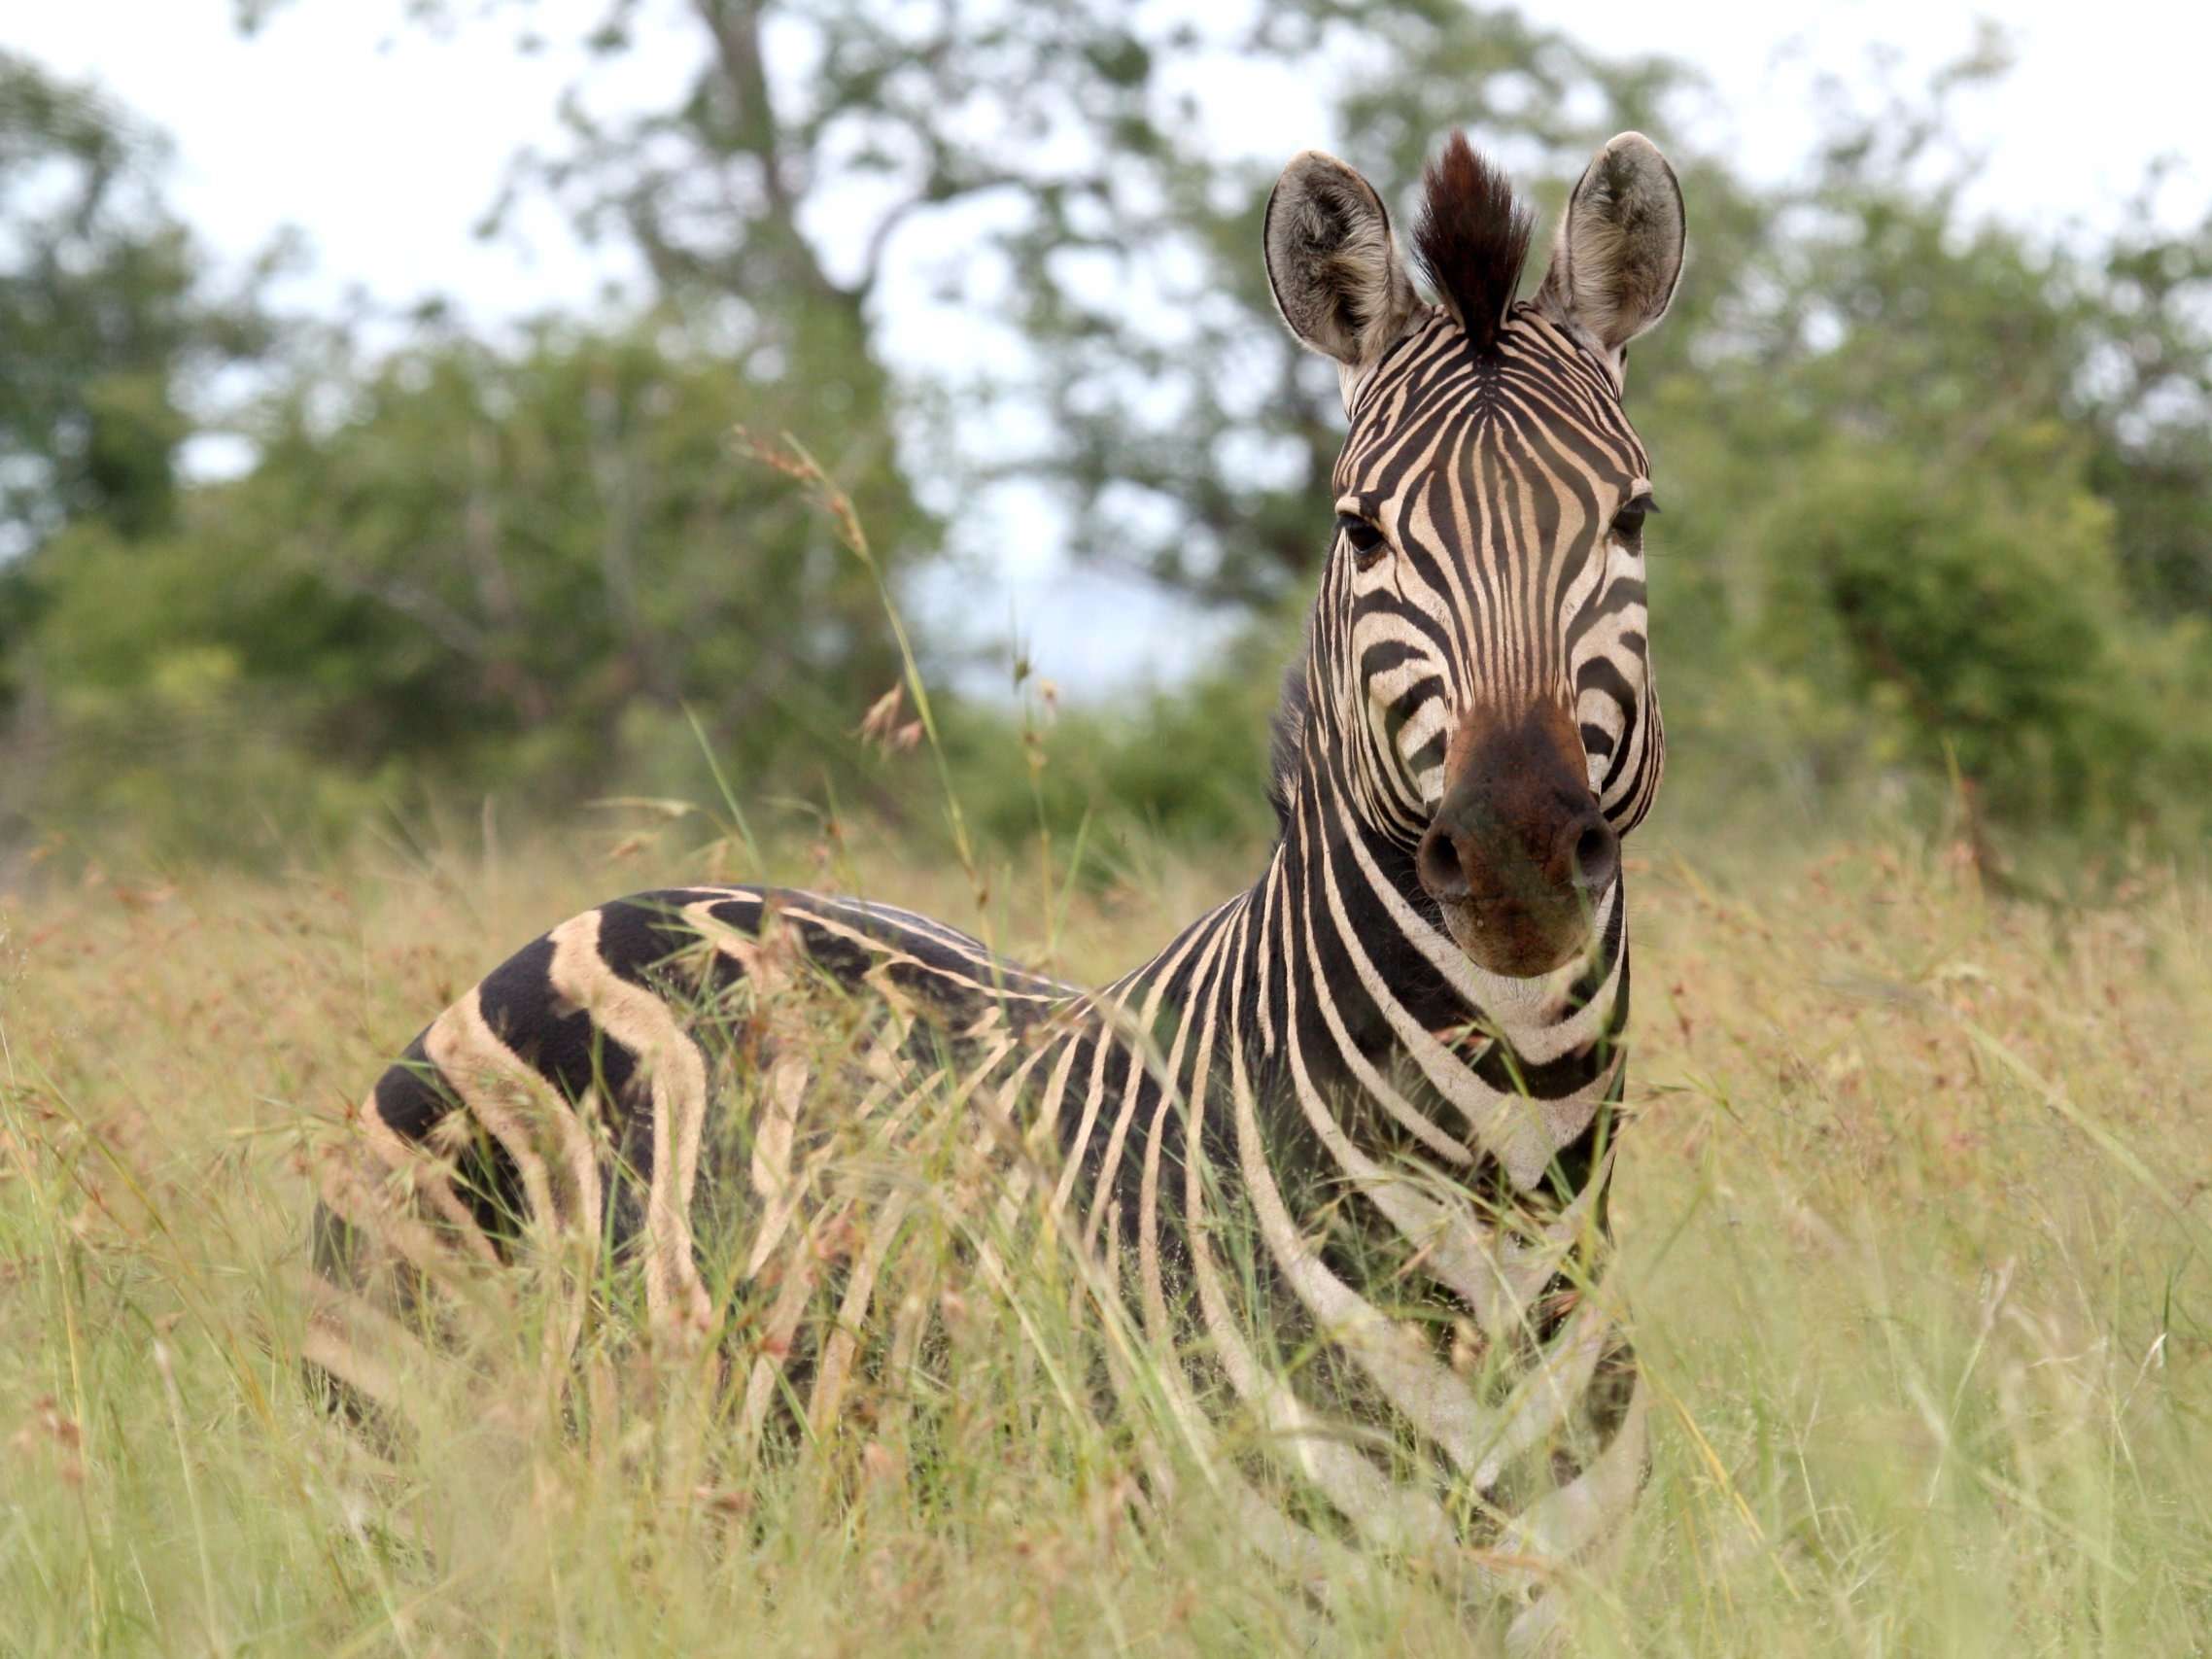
x=1393, y=1065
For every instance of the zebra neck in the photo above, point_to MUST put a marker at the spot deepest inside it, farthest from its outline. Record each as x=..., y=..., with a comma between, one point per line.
x=1349, y=996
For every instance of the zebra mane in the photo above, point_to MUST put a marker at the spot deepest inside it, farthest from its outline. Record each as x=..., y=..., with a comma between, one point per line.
x=1284, y=738
x=1471, y=238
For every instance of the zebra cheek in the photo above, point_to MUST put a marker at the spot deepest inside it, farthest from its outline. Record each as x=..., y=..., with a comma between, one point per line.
x=1398, y=737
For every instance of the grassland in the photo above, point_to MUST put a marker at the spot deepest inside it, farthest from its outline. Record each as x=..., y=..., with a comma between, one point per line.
x=1915, y=1221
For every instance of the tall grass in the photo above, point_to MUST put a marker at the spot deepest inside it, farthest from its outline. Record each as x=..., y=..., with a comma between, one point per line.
x=1915, y=1221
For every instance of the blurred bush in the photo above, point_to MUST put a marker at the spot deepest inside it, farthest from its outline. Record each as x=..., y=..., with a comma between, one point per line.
x=1938, y=493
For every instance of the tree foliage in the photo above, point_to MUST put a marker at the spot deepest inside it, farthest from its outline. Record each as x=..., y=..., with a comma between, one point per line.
x=1938, y=491
x=108, y=324
x=109, y=333
x=499, y=568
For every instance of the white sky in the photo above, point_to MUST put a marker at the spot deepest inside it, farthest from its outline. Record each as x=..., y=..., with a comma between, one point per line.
x=384, y=146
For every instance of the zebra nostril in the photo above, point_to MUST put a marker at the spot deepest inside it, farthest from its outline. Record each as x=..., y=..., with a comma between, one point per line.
x=1437, y=863
x=1596, y=852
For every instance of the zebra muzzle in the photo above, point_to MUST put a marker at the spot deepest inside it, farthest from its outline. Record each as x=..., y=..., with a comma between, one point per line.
x=1518, y=853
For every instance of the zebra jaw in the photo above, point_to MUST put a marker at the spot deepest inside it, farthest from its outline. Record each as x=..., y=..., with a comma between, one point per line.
x=1508, y=950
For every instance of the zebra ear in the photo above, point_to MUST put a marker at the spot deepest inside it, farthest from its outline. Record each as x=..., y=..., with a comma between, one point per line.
x=1619, y=250
x=1332, y=260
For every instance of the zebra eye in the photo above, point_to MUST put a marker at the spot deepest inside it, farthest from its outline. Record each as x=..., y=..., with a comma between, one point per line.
x=1628, y=523
x=1367, y=543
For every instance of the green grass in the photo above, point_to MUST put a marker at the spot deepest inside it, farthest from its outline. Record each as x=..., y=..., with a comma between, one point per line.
x=1915, y=1221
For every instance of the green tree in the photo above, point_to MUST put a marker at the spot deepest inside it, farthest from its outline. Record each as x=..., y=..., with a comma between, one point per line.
x=513, y=568
x=2148, y=392
x=106, y=325
x=108, y=334
x=1163, y=400
x=1924, y=530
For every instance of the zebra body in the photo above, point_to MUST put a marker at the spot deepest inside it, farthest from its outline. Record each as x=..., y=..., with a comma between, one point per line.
x=1337, y=1157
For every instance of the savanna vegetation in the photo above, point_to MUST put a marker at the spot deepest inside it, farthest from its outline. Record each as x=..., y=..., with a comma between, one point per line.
x=1914, y=1208
x=1916, y=1202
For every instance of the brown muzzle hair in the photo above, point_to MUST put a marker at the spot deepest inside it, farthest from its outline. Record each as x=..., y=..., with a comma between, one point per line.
x=1518, y=853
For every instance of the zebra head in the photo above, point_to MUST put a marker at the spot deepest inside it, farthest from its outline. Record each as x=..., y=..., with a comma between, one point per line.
x=1477, y=692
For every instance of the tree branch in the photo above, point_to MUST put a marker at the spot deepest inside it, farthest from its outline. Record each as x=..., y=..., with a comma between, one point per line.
x=936, y=194
x=734, y=27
